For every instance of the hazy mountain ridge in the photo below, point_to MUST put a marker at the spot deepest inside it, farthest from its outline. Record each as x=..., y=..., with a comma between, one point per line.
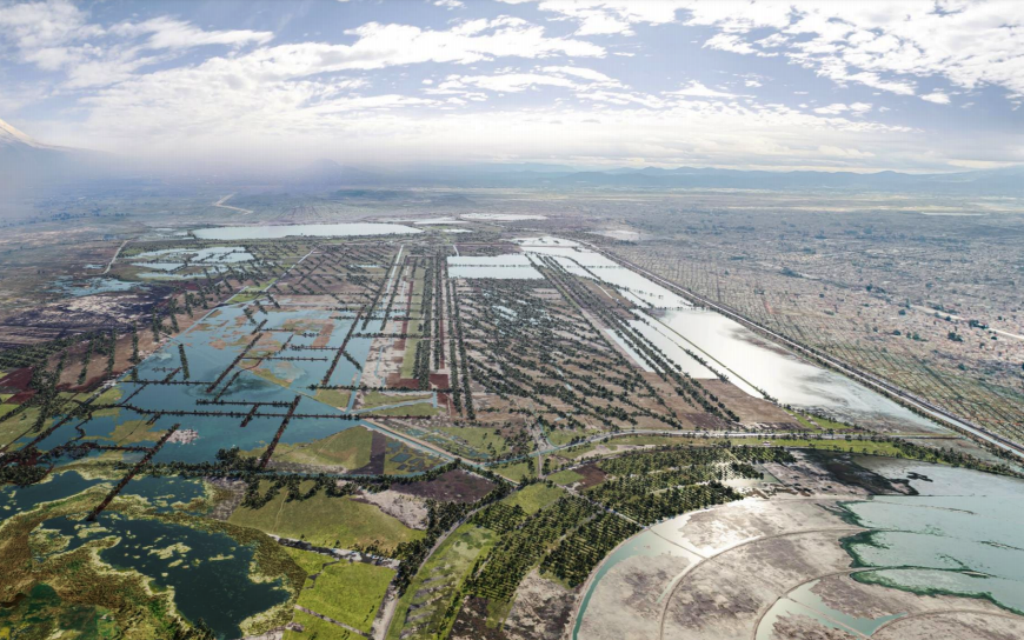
x=26, y=162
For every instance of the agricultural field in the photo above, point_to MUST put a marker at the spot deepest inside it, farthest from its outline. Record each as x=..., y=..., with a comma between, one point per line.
x=412, y=434
x=898, y=309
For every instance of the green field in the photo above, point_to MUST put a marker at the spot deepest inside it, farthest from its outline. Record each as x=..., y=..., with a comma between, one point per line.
x=518, y=471
x=434, y=587
x=482, y=439
x=349, y=449
x=419, y=409
x=566, y=477
x=349, y=592
x=314, y=627
x=333, y=397
x=559, y=437
x=409, y=358
x=378, y=399
x=326, y=521
x=535, y=497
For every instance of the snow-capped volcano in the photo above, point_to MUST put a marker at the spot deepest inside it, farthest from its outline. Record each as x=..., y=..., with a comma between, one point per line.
x=12, y=137
x=26, y=163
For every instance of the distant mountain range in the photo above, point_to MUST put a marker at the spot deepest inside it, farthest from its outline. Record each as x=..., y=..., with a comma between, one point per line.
x=27, y=162
x=1005, y=182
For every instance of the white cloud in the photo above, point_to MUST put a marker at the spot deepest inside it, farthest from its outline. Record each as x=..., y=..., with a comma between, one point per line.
x=752, y=83
x=884, y=45
x=586, y=74
x=732, y=43
x=832, y=109
x=697, y=90
x=509, y=81
x=503, y=83
x=937, y=97
x=840, y=152
x=57, y=36
x=168, y=33
x=857, y=108
x=449, y=4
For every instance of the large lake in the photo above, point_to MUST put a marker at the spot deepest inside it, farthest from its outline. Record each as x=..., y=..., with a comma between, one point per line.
x=962, y=535
x=317, y=230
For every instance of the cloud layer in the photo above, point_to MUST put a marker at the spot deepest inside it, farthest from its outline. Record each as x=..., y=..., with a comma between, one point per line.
x=780, y=84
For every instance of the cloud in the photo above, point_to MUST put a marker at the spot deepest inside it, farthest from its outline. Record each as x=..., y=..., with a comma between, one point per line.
x=937, y=97
x=476, y=89
x=857, y=108
x=502, y=83
x=606, y=17
x=586, y=74
x=697, y=90
x=732, y=43
x=574, y=78
x=883, y=45
x=449, y=4
x=168, y=33
x=57, y=36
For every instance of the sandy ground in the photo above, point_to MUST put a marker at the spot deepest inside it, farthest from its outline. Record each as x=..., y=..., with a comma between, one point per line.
x=410, y=510
x=541, y=610
x=724, y=569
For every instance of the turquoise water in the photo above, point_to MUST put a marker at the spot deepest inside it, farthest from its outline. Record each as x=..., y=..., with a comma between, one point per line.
x=963, y=535
x=803, y=601
x=92, y=286
x=210, y=346
x=645, y=543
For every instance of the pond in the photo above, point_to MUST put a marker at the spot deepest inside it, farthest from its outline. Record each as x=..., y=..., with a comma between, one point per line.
x=749, y=359
x=209, y=571
x=500, y=217
x=92, y=286
x=512, y=266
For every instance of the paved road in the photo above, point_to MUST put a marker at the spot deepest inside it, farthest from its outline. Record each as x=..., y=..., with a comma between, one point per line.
x=116, y=253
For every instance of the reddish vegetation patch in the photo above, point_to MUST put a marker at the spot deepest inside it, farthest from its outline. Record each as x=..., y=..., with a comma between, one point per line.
x=19, y=398
x=444, y=401
x=592, y=476
x=707, y=421
x=326, y=329
x=396, y=381
x=439, y=380
x=452, y=486
x=16, y=381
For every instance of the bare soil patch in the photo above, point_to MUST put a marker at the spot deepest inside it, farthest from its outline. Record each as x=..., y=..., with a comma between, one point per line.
x=451, y=486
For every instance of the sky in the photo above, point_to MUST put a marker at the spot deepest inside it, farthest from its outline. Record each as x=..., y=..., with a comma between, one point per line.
x=855, y=85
